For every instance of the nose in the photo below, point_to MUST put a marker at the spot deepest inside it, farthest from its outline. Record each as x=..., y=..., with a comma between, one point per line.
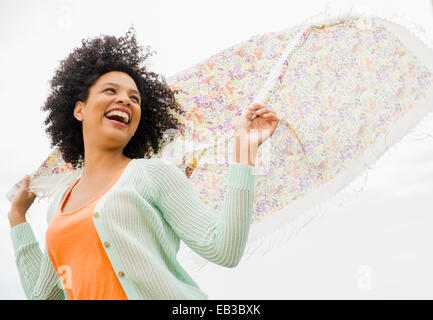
x=123, y=99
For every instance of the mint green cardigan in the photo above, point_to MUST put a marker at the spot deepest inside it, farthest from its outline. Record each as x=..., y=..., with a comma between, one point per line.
x=150, y=208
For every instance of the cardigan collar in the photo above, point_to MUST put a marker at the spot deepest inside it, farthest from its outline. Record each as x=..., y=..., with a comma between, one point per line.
x=57, y=200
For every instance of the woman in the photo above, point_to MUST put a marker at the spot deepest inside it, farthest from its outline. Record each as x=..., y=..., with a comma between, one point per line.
x=114, y=232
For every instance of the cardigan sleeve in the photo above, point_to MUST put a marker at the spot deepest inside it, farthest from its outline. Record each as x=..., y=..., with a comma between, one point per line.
x=219, y=237
x=38, y=277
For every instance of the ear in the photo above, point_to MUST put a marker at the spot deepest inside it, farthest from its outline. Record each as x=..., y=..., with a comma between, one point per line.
x=78, y=113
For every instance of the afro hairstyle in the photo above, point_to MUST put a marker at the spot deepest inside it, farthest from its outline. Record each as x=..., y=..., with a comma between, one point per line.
x=81, y=69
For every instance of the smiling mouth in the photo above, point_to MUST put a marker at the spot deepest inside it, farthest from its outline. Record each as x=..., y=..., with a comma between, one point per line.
x=117, y=123
x=118, y=115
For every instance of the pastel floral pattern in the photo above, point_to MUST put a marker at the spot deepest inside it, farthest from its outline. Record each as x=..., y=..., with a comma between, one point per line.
x=344, y=86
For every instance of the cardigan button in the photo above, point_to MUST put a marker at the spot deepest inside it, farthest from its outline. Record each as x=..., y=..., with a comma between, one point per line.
x=106, y=244
x=121, y=274
x=96, y=214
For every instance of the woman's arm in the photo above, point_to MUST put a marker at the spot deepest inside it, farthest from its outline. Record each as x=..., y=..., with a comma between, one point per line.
x=220, y=237
x=38, y=277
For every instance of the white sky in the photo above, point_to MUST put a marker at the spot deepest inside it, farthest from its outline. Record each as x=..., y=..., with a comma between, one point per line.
x=378, y=246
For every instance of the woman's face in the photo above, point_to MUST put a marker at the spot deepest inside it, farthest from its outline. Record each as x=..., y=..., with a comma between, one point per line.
x=102, y=127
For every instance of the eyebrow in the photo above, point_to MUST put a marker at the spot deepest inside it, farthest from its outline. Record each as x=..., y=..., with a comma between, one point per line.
x=116, y=85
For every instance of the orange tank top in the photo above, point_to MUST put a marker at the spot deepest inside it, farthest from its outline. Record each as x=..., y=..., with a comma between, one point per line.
x=77, y=254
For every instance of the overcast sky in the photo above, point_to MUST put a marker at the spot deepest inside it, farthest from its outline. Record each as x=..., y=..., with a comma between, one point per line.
x=376, y=246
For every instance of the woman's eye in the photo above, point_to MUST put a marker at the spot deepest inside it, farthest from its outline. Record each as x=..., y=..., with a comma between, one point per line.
x=136, y=99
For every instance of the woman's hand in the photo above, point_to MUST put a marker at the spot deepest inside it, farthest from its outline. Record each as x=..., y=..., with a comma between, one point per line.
x=21, y=201
x=256, y=130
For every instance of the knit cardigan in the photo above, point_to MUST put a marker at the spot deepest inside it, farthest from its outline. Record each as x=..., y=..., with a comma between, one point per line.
x=144, y=215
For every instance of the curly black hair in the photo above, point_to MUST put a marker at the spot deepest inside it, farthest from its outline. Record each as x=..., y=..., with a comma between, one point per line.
x=81, y=69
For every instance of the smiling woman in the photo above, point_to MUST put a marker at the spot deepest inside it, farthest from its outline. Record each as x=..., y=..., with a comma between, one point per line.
x=107, y=73
x=114, y=232
x=118, y=107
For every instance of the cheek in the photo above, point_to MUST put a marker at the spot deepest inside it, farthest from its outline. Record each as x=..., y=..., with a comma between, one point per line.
x=137, y=116
x=100, y=106
x=95, y=114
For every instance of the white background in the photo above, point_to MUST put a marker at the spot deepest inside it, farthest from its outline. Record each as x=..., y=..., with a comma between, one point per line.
x=377, y=246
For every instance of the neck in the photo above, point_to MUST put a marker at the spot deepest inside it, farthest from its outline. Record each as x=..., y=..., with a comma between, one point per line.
x=100, y=164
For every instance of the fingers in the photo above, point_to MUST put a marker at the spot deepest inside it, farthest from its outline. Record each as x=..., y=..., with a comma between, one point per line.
x=263, y=111
x=270, y=115
x=32, y=196
x=24, y=183
x=259, y=109
x=249, y=115
x=255, y=106
x=24, y=186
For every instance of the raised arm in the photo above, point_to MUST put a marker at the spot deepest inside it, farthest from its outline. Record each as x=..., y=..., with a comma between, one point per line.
x=219, y=237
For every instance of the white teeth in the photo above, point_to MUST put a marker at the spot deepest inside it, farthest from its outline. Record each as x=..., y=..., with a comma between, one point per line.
x=119, y=113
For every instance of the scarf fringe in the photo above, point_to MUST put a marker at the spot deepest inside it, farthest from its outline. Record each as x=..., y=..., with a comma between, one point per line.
x=333, y=14
x=263, y=242
x=262, y=245
x=290, y=229
x=409, y=129
x=45, y=187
